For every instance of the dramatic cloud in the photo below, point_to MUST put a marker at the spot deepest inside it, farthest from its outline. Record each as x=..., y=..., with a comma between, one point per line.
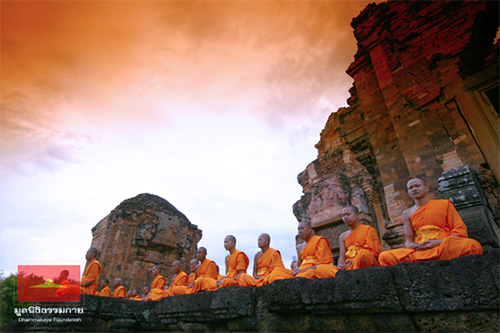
x=213, y=105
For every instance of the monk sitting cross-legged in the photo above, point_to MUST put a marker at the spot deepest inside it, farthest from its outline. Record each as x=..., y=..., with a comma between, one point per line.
x=157, y=285
x=359, y=246
x=316, y=258
x=179, y=279
x=134, y=295
x=266, y=260
x=236, y=266
x=105, y=291
x=183, y=290
x=120, y=291
x=440, y=232
x=145, y=293
x=206, y=273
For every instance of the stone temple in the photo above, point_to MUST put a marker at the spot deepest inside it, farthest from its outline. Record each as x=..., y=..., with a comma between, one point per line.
x=139, y=233
x=424, y=103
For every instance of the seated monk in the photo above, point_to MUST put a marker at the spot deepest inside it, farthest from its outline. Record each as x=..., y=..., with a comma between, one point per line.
x=236, y=266
x=145, y=293
x=266, y=260
x=129, y=294
x=299, y=245
x=207, y=273
x=88, y=284
x=183, y=290
x=158, y=284
x=66, y=288
x=440, y=232
x=179, y=279
x=316, y=258
x=120, y=291
x=105, y=291
x=359, y=246
x=134, y=295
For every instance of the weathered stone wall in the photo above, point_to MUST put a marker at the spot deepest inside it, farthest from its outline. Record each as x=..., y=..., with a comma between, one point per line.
x=459, y=295
x=419, y=78
x=139, y=233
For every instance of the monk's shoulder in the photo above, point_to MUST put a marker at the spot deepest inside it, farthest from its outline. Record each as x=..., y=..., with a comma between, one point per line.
x=344, y=235
x=258, y=255
x=409, y=212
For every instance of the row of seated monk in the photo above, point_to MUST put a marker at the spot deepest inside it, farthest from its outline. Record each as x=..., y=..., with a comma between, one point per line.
x=433, y=230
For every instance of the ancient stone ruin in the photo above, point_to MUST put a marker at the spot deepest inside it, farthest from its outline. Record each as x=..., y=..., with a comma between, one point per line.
x=139, y=233
x=424, y=101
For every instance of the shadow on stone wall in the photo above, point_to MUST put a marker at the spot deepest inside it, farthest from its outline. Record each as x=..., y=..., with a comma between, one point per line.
x=456, y=295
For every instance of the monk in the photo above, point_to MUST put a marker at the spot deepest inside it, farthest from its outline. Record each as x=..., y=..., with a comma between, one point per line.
x=183, y=290
x=299, y=245
x=316, y=258
x=105, y=291
x=179, y=279
x=236, y=266
x=359, y=246
x=88, y=285
x=207, y=267
x=440, y=232
x=120, y=291
x=157, y=285
x=134, y=295
x=266, y=260
x=145, y=293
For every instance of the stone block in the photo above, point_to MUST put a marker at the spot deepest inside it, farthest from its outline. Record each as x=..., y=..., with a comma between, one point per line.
x=459, y=284
x=366, y=290
x=283, y=296
x=476, y=219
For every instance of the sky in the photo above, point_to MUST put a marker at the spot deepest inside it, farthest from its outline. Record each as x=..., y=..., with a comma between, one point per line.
x=214, y=106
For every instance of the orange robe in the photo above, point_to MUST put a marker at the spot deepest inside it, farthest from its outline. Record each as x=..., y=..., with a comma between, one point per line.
x=238, y=261
x=91, y=274
x=207, y=277
x=180, y=280
x=105, y=292
x=157, y=287
x=137, y=298
x=317, y=251
x=183, y=290
x=436, y=219
x=362, y=247
x=266, y=264
x=68, y=288
x=120, y=292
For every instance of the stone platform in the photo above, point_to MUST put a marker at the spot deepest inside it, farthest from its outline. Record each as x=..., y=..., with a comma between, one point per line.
x=456, y=295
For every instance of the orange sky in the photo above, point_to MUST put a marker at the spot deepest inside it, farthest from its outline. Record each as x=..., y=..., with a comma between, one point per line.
x=200, y=102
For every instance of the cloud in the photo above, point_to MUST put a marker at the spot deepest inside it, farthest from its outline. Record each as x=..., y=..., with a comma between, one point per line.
x=213, y=105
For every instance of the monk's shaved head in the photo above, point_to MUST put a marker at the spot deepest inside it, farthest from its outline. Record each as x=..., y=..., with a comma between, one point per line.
x=307, y=223
x=232, y=238
x=263, y=241
x=158, y=267
x=176, y=263
x=201, y=254
x=229, y=242
x=93, y=250
x=353, y=208
x=421, y=179
x=305, y=230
